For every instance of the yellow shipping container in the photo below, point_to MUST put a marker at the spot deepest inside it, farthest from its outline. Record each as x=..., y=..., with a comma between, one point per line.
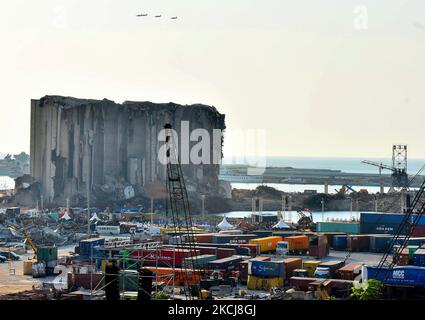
x=268, y=283
x=252, y=282
x=258, y=283
x=267, y=243
x=28, y=267
x=311, y=266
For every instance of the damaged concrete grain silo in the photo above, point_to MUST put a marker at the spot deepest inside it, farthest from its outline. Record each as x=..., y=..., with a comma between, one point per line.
x=111, y=149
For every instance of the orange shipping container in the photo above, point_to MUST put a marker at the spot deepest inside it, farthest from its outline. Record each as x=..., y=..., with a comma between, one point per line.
x=166, y=275
x=297, y=242
x=267, y=243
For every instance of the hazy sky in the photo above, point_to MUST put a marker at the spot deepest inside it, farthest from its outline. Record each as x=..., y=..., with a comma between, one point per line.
x=302, y=70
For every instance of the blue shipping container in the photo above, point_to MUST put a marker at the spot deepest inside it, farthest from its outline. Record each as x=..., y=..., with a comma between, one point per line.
x=383, y=223
x=339, y=242
x=419, y=258
x=266, y=268
x=88, y=247
x=242, y=251
x=402, y=276
x=379, y=243
x=239, y=238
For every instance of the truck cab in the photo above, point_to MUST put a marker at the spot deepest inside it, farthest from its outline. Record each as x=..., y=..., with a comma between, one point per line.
x=282, y=248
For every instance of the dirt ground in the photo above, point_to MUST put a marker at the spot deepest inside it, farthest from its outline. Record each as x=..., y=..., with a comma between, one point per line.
x=18, y=282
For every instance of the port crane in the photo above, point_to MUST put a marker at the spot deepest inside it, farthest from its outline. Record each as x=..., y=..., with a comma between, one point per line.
x=398, y=168
x=180, y=212
x=415, y=210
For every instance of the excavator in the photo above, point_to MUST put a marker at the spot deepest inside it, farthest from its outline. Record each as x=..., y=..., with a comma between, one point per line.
x=305, y=221
x=29, y=241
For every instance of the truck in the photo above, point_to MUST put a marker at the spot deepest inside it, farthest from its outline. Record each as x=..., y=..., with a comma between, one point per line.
x=297, y=244
x=266, y=244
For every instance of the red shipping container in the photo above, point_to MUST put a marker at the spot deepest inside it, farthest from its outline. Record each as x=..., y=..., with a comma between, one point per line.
x=418, y=231
x=350, y=271
x=358, y=242
x=167, y=257
x=202, y=250
x=225, y=252
x=301, y=283
x=291, y=264
x=203, y=237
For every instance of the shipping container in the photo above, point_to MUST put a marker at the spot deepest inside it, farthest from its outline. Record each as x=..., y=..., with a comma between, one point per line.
x=300, y=273
x=382, y=223
x=339, y=242
x=345, y=227
x=419, y=258
x=203, y=237
x=198, y=261
x=358, y=242
x=90, y=247
x=259, y=283
x=333, y=266
x=254, y=249
x=418, y=231
x=225, y=253
x=177, y=277
x=403, y=259
x=291, y=264
x=266, y=244
x=163, y=257
x=297, y=244
x=379, y=243
x=350, y=271
x=243, y=268
x=266, y=268
x=45, y=254
x=229, y=238
x=415, y=241
x=310, y=266
x=301, y=283
x=399, y=276
x=318, y=246
x=226, y=264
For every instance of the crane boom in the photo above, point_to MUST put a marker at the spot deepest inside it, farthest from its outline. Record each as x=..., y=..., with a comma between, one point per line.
x=29, y=240
x=380, y=165
x=180, y=210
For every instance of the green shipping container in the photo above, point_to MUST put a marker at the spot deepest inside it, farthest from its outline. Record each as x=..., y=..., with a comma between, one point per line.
x=345, y=227
x=45, y=254
x=199, y=261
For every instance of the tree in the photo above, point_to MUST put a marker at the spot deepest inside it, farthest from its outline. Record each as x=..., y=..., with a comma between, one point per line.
x=371, y=290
